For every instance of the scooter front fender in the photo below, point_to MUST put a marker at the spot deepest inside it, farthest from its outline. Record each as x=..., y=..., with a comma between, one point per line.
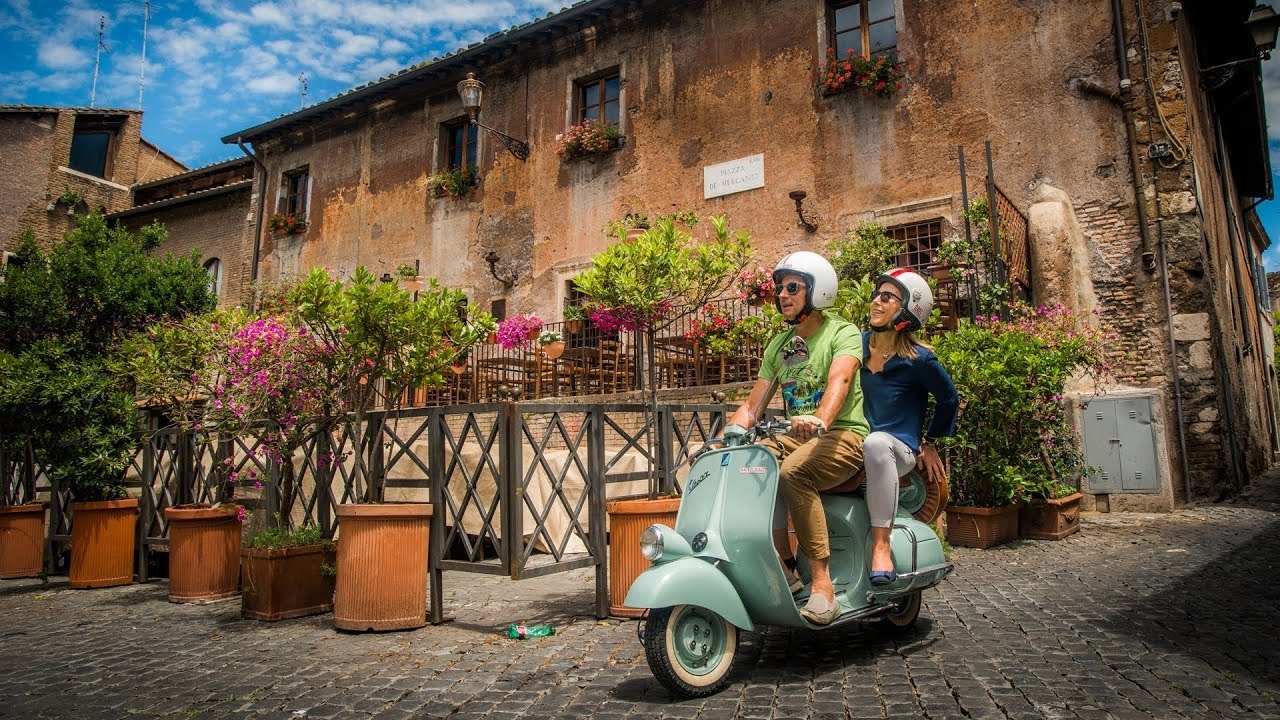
x=688, y=581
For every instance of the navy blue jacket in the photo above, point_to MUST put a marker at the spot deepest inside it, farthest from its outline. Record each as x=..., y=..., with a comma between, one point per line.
x=896, y=398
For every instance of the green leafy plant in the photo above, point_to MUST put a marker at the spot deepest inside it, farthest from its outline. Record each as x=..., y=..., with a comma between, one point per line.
x=1013, y=438
x=70, y=197
x=549, y=336
x=453, y=182
x=575, y=312
x=63, y=318
x=279, y=537
x=631, y=221
x=864, y=252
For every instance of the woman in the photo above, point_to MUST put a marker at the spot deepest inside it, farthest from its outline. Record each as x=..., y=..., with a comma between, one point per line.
x=898, y=374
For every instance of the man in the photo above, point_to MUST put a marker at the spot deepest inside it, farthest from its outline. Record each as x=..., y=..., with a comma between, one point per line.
x=815, y=363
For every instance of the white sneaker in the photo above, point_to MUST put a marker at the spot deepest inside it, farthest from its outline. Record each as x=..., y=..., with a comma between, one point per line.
x=819, y=610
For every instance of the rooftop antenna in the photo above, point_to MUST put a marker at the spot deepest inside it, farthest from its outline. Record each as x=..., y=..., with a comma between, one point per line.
x=142, y=74
x=97, y=57
x=302, y=90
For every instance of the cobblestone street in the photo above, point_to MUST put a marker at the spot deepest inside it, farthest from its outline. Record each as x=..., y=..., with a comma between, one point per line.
x=1136, y=616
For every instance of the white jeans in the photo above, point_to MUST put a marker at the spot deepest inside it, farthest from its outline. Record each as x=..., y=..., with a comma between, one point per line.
x=886, y=458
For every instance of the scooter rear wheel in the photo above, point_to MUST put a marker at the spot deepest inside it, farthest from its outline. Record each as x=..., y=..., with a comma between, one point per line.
x=906, y=612
x=690, y=649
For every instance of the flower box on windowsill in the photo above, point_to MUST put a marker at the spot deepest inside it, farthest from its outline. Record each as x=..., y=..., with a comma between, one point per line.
x=881, y=76
x=455, y=183
x=281, y=224
x=614, y=145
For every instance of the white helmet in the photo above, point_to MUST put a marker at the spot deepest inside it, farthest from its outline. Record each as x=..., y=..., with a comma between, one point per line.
x=917, y=298
x=818, y=275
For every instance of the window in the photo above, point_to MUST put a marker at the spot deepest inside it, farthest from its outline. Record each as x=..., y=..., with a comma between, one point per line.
x=460, y=144
x=921, y=239
x=600, y=99
x=89, y=153
x=214, y=267
x=868, y=27
x=498, y=309
x=294, y=190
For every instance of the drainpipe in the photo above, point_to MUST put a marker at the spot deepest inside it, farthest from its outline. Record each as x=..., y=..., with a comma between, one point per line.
x=1148, y=258
x=261, y=169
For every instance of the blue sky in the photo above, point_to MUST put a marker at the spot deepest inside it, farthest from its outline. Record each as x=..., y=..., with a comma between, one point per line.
x=217, y=66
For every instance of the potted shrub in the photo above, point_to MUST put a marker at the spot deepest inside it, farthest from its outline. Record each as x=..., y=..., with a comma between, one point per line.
x=379, y=342
x=1011, y=375
x=1052, y=513
x=173, y=367
x=551, y=344
x=453, y=182
x=574, y=317
x=22, y=539
x=287, y=573
x=63, y=317
x=645, y=286
x=588, y=137
x=630, y=227
x=408, y=276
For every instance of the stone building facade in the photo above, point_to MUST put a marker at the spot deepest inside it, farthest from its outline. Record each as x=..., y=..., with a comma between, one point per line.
x=1137, y=182
x=58, y=160
x=210, y=211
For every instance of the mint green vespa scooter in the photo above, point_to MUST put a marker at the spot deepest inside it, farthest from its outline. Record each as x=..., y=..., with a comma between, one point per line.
x=717, y=571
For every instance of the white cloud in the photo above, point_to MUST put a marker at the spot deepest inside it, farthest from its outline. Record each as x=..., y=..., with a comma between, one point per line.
x=351, y=45
x=61, y=55
x=270, y=14
x=391, y=46
x=278, y=83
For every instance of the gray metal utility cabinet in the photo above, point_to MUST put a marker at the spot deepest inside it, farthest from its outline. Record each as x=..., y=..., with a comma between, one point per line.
x=1119, y=439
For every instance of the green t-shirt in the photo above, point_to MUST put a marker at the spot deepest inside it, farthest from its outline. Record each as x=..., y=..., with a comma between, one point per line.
x=800, y=366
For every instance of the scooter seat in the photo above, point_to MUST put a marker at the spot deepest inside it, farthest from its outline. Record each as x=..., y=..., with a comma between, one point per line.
x=930, y=506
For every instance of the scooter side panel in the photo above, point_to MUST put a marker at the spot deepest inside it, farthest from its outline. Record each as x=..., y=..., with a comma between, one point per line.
x=730, y=495
x=688, y=581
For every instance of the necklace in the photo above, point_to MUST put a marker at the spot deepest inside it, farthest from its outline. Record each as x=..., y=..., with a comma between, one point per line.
x=884, y=354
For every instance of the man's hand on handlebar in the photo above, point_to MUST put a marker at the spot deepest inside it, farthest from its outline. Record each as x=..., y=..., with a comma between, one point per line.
x=806, y=426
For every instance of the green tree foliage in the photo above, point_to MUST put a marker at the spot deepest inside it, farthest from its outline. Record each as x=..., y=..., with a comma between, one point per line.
x=864, y=253
x=63, y=317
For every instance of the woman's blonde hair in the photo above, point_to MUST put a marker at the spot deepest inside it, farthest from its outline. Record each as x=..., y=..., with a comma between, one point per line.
x=905, y=342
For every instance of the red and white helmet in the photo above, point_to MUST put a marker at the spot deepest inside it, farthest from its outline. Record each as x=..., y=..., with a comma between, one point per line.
x=917, y=298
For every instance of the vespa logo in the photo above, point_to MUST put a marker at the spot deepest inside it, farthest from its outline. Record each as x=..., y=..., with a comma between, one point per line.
x=752, y=470
x=698, y=481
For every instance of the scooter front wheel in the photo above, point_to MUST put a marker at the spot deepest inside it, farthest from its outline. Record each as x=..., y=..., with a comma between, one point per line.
x=690, y=649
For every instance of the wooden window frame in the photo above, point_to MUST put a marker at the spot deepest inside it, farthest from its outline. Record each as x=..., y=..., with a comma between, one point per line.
x=864, y=24
x=296, y=200
x=600, y=80
x=447, y=131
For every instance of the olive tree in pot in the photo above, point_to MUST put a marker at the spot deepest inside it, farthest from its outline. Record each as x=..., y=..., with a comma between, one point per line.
x=380, y=342
x=646, y=284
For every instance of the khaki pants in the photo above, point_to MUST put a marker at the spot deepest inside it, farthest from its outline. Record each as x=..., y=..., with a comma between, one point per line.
x=808, y=468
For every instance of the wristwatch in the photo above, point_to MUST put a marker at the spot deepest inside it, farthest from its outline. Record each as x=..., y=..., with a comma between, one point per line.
x=926, y=441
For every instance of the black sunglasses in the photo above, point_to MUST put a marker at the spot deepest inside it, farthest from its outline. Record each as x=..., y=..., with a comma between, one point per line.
x=885, y=296
x=792, y=287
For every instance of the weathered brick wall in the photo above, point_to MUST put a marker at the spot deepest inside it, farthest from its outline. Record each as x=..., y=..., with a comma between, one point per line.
x=37, y=148
x=154, y=164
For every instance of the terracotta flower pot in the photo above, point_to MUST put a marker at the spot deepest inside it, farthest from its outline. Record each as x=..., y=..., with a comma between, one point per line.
x=627, y=519
x=281, y=583
x=573, y=326
x=204, y=553
x=554, y=349
x=103, y=538
x=22, y=540
x=382, y=566
x=1051, y=519
x=981, y=527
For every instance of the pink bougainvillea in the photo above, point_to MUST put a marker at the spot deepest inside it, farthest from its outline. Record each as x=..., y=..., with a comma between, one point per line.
x=519, y=331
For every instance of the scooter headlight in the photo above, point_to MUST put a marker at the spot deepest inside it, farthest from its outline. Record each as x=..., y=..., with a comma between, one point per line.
x=651, y=543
